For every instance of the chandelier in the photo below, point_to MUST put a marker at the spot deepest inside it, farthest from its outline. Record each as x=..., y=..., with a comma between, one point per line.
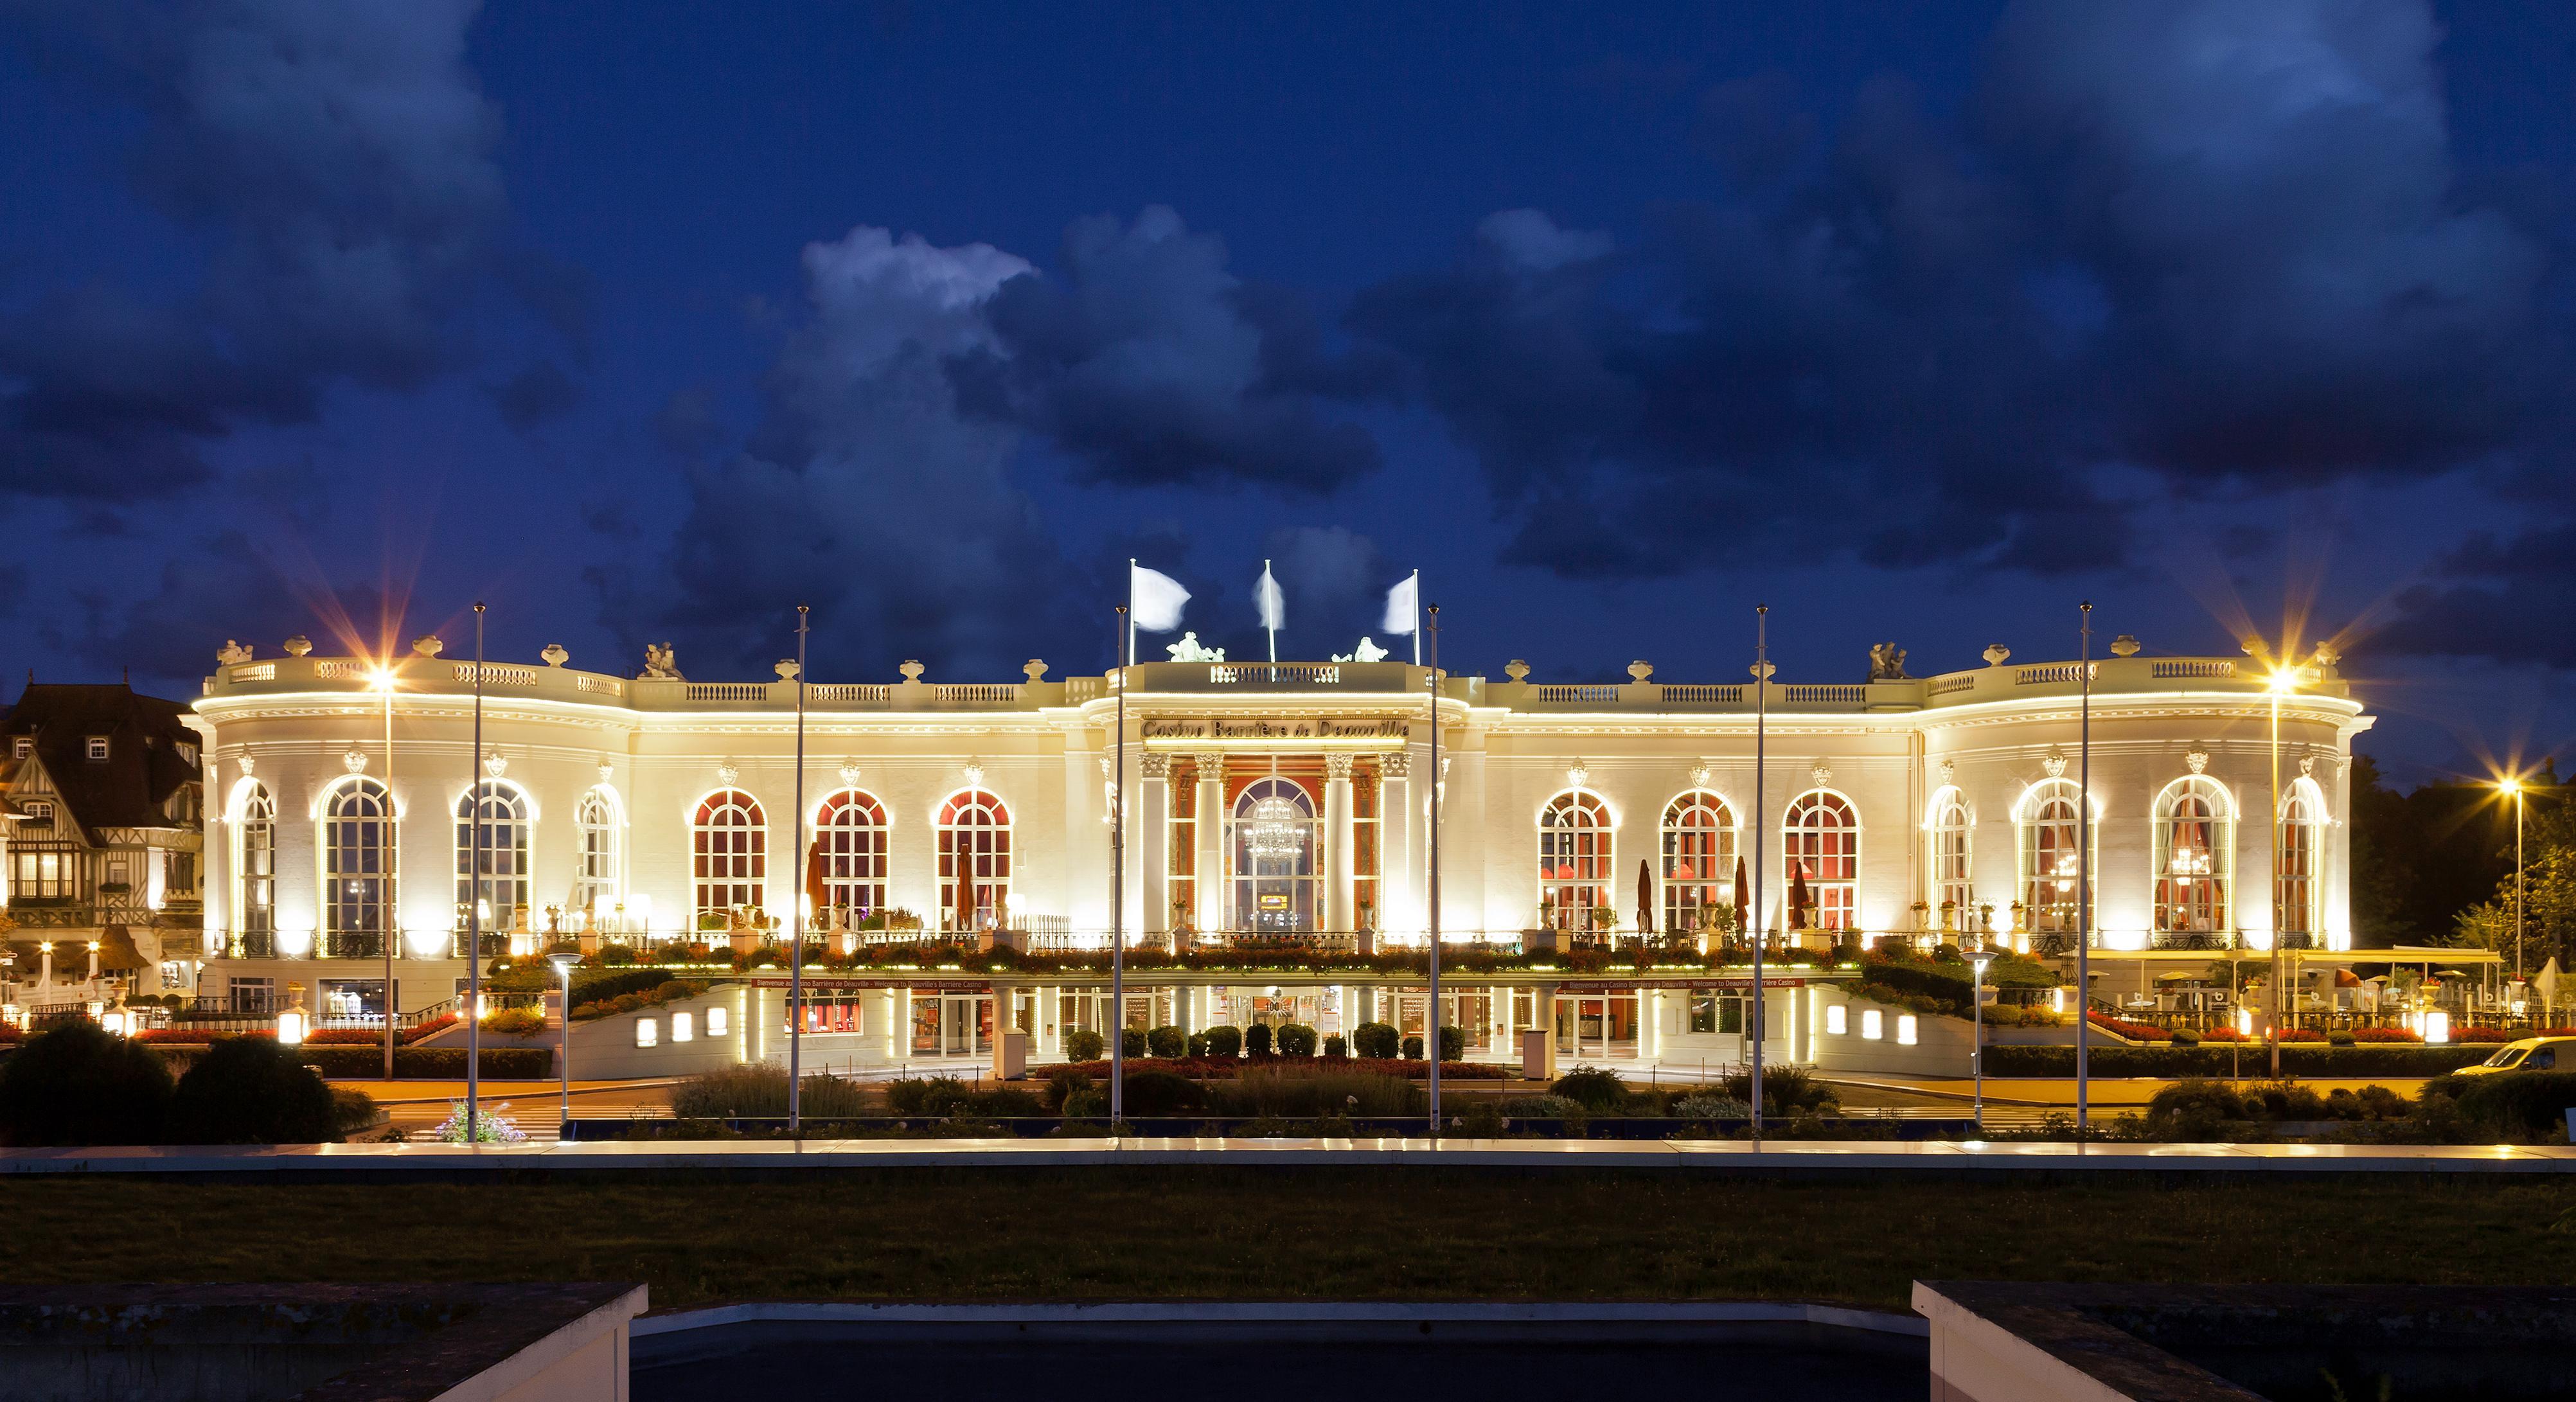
x=1275, y=829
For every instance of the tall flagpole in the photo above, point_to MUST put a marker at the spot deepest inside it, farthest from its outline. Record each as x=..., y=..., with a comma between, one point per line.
x=1417, y=619
x=474, y=912
x=796, y=905
x=1433, y=681
x=1118, y=873
x=393, y=925
x=1265, y=612
x=2084, y=879
x=1757, y=1024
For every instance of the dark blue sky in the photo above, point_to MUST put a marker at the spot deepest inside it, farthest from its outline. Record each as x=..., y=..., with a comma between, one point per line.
x=1918, y=322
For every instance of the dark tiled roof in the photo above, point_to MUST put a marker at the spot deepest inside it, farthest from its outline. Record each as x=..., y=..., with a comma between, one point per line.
x=132, y=787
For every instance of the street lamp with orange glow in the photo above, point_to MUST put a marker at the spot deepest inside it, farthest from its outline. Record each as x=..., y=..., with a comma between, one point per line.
x=2512, y=784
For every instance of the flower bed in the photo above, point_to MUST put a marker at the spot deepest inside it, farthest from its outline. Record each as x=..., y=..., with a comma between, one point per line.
x=1208, y=1068
x=2134, y=1031
x=2210, y=1061
x=665, y=991
x=431, y=1063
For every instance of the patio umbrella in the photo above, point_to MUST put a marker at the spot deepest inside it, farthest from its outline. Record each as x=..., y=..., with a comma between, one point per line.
x=1645, y=898
x=1743, y=897
x=965, y=914
x=1798, y=897
x=815, y=889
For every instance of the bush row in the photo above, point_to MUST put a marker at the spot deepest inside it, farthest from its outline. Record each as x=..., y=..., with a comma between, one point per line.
x=1209, y=1068
x=428, y=1063
x=79, y=1084
x=2174, y=1062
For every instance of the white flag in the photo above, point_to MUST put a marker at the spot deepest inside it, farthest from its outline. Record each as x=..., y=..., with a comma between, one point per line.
x=1267, y=598
x=1154, y=599
x=1402, y=603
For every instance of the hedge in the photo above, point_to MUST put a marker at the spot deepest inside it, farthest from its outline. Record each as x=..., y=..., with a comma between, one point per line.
x=1213, y=1068
x=430, y=1063
x=2219, y=1059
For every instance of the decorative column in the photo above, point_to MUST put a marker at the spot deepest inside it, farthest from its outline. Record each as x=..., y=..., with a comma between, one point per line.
x=1398, y=908
x=1340, y=882
x=1210, y=879
x=1153, y=840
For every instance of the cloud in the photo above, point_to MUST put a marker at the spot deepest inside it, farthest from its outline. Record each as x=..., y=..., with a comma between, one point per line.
x=339, y=161
x=534, y=395
x=1151, y=364
x=864, y=492
x=2171, y=247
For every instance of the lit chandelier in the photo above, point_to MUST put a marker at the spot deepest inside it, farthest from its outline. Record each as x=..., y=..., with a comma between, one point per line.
x=1276, y=829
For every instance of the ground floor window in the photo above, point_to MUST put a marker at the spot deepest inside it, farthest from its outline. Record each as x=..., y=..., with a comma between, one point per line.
x=1596, y=1024
x=255, y=996
x=952, y=1024
x=355, y=999
x=1720, y=1013
x=836, y=1012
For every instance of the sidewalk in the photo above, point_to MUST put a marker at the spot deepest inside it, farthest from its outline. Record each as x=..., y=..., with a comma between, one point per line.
x=1720, y=1155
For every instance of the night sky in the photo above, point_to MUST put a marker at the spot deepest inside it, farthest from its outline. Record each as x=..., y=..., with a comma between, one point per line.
x=1919, y=322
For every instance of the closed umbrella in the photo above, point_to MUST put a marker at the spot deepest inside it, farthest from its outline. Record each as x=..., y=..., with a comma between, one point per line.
x=965, y=915
x=815, y=887
x=1645, y=898
x=1743, y=898
x=1798, y=897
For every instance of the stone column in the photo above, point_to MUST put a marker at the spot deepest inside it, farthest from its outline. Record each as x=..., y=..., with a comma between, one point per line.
x=1211, y=820
x=1153, y=840
x=1340, y=846
x=1398, y=907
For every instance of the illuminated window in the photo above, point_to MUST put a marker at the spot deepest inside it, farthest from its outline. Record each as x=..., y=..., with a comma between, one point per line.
x=1277, y=845
x=1821, y=839
x=255, y=867
x=358, y=845
x=731, y=841
x=1905, y=1029
x=501, y=809
x=683, y=1027
x=2296, y=891
x=2195, y=855
x=2050, y=871
x=850, y=830
x=1837, y=1019
x=1699, y=861
x=648, y=1031
x=1952, y=831
x=715, y=1022
x=1574, y=869
x=98, y=747
x=599, y=884
x=974, y=860
x=1873, y=1024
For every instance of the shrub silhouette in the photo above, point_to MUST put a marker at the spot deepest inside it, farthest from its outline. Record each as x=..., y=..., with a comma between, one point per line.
x=78, y=1084
x=250, y=1090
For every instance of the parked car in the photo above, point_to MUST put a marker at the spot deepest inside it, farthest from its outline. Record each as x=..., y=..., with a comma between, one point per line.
x=2529, y=1054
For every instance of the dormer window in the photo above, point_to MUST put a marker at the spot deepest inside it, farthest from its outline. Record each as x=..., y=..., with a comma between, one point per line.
x=40, y=813
x=22, y=746
x=187, y=752
x=98, y=747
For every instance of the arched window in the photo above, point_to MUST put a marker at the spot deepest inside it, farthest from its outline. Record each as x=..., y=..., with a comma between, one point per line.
x=254, y=873
x=1952, y=831
x=850, y=830
x=1699, y=860
x=731, y=852
x=599, y=883
x=1574, y=861
x=1277, y=845
x=2296, y=890
x=2050, y=870
x=974, y=860
x=1821, y=839
x=2195, y=855
x=358, y=836
x=502, y=810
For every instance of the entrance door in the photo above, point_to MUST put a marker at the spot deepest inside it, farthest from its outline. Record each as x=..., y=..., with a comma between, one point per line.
x=965, y=1024
x=1596, y=1025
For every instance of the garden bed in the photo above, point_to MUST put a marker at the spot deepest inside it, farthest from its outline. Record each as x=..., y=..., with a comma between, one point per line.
x=2222, y=1059
x=1205, y=1068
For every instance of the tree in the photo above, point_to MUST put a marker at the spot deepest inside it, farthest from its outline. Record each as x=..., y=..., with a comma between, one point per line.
x=2386, y=837
x=2548, y=894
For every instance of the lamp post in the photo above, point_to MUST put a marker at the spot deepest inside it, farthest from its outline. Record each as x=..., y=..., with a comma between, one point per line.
x=563, y=1056
x=384, y=685
x=2512, y=784
x=2285, y=680
x=2084, y=882
x=1977, y=1036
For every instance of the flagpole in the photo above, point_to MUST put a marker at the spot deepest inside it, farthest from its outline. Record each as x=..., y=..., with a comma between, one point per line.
x=1417, y=618
x=1118, y=875
x=1433, y=681
x=2084, y=882
x=474, y=913
x=1758, y=1024
x=796, y=920
x=1266, y=625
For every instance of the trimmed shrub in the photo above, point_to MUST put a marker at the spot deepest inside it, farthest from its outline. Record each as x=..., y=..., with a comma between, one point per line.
x=1453, y=1044
x=1712, y=1107
x=1785, y=1090
x=1374, y=1041
x=1165, y=1041
x=1063, y=1086
x=250, y=1090
x=352, y=1110
x=1162, y=1093
x=443, y=1063
x=1336, y=1046
x=1196, y=1045
x=1225, y=1039
x=1413, y=1048
x=515, y=1022
x=2214, y=1057
x=1256, y=1039
x=2185, y=1037
x=1550, y=1107
x=2516, y=1104
x=80, y=1084
x=1007, y=1103
x=1131, y=1041
x=1595, y=1088
x=931, y=1095
x=1084, y=1045
x=1296, y=1039
x=731, y=1092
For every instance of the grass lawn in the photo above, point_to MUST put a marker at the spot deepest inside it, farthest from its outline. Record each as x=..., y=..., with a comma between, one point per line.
x=1360, y=1233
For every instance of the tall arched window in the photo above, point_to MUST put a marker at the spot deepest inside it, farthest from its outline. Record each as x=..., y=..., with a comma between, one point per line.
x=502, y=885
x=974, y=860
x=731, y=851
x=1821, y=838
x=850, y=828
x=2050, y=870
x=254, y=873
x=1952, y=831
x=1277, y=845
x=1573, y=860
x=2195, y=855
x=599, y=884
x=2296, y=890
x=358, y=836
x=1699, y=860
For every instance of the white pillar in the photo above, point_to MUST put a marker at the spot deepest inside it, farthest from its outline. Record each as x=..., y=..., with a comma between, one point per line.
x=1211, y=834
x=1399, y=907
x=1152, y=855
x=1340, y=881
